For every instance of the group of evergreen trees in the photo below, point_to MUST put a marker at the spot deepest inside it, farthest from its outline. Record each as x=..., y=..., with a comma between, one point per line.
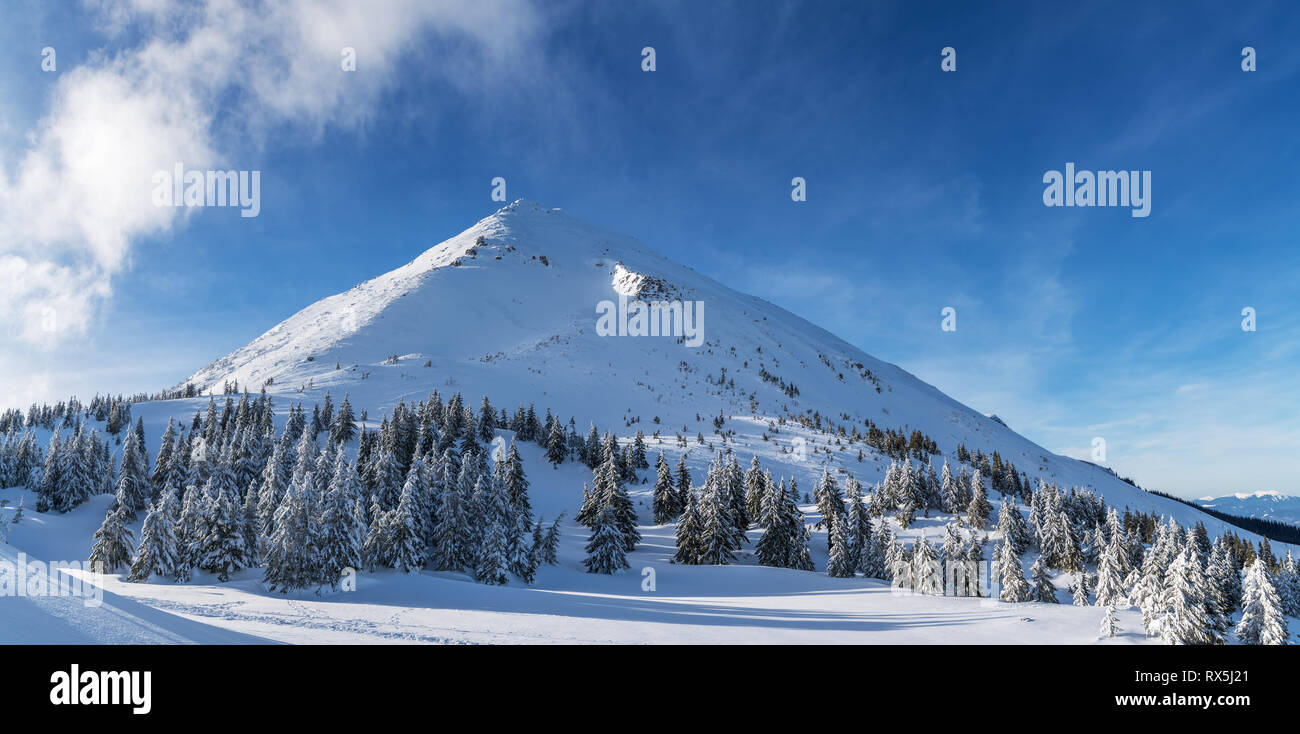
x=226, y=493
x=232, y=495
x=608, y=510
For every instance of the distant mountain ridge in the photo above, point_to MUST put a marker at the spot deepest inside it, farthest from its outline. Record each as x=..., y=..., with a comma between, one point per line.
x=1266, y=505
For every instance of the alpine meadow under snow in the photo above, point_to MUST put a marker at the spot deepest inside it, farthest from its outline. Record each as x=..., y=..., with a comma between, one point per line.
x=506, y=470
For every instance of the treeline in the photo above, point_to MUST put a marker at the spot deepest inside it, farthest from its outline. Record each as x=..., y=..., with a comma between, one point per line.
x=230, y=494
x=114, y=411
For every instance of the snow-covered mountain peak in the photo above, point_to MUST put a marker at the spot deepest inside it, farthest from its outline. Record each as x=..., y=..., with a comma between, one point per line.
x=510, y=307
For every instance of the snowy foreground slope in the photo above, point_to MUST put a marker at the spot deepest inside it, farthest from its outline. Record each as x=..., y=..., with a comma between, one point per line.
x=507, y=309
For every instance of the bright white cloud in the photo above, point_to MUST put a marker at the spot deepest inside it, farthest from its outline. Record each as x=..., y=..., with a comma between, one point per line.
x=209, y=84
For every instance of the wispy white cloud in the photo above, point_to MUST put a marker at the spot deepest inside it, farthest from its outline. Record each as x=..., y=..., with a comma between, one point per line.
x=208, y=86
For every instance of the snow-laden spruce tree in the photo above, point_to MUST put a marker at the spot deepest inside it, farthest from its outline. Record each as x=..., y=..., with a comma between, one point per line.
x=1146, y=594
x=665, y=493
x=690, y=533
x=1044, y=590
x=387, y=479
x=47, y=487
x=1014, y=587
x=610, y=492
x=523, y=558
x=156, y=553
x=112, y=547
x=189, y=531
x=755, y=489
x=1262, y=621
x=450, y=529
x=162, y=465
x=974, y=566
x=223, y=548
x=291, y=559
x=1110, y=573
x=343, y=427
x=1110, y=622
x=1115, y=533
x=979, y=510
x=548, y=551
x=829, y=501
x=405, y=535
x=1288, y=586
x=1012, y=525
x=953, y=550
x=717, y=537
x=731, y=483
x=927, y=577
x=858, y=527
x=496, y=521
x=342, y=531
x=1079, y=590
x=841, y=563
x=1185, y=620
x=605, y=549
x=557, y=445
x=1223, y=583
x=950, y=491
x=276, y=476
x=784, y=543
x=899, y=562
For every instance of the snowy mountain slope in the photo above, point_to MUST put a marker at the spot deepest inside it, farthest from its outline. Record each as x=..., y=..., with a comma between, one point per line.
x=508, y=309
x=1263, y=504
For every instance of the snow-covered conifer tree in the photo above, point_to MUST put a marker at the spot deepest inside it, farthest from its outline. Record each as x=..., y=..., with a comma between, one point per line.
x=841, y=563
x=665, y=493
x=496, y=521
x=605, y=549
x=156, y=553
x=926, y=575
x=1014, y=587
x=1110, y=573
x=979, y=510
x=112, y=547
x=1012, y=525
x=1043, y=589
x=1079, y=589
x=1185, y=621
x=1109, y=623
x=1262, y=620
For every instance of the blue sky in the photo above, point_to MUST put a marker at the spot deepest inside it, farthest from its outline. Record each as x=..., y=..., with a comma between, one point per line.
x=924, y=188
